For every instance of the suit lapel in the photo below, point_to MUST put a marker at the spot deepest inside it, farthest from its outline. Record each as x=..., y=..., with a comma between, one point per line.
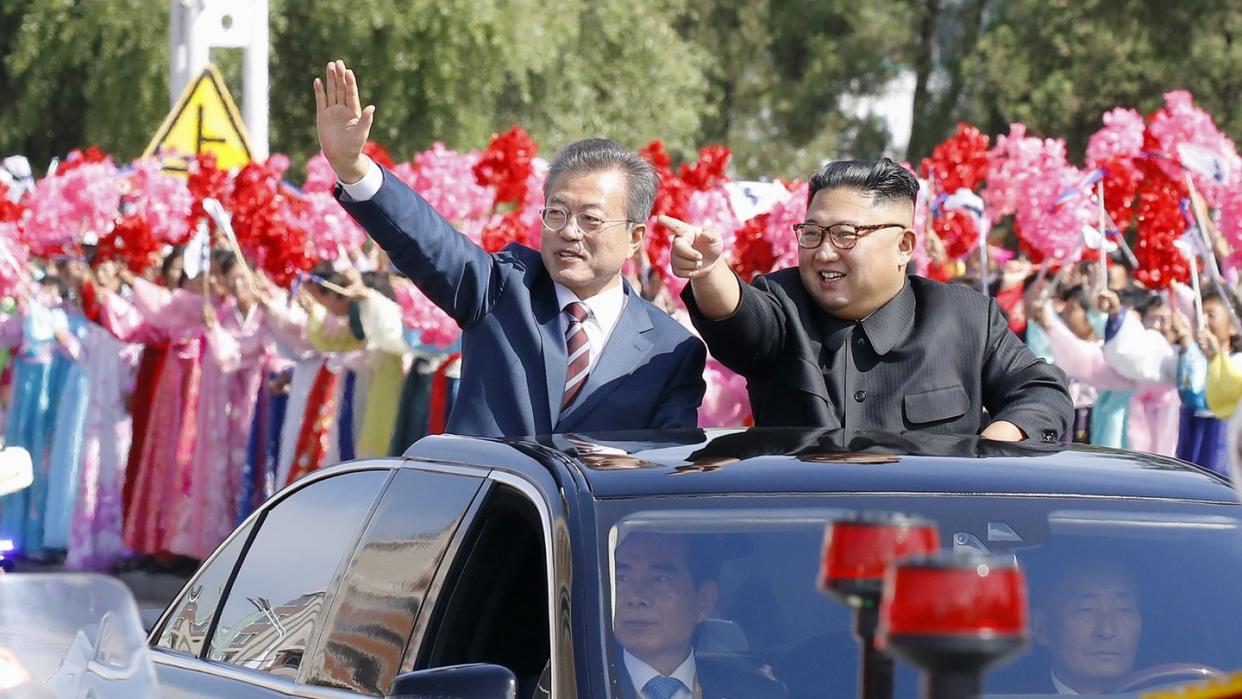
x=627, y=348
x=552, y=336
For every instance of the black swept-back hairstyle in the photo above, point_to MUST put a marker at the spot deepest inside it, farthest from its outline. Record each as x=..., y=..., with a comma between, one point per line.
x=883, y=180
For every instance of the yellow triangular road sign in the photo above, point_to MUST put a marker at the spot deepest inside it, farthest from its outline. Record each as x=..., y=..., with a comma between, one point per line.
x=205, y=120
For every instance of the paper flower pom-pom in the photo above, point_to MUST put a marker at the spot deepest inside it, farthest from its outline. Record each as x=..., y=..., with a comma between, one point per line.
x=961, y=161
x=163, y=201
x=505, y=229
x=506, y=165
x=130, y=243
x=726, y=402
x=1121, y=137
x=958, y=233
x=1186, y=135
x=1160, y=223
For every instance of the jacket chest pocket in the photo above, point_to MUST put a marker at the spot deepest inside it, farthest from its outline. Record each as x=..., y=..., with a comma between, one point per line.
x=937, y=405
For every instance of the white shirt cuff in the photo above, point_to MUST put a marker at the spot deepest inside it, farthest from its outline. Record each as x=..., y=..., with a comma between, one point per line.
x=366, y=187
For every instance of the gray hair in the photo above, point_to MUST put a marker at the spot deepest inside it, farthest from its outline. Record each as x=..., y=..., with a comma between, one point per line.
x=592, y=155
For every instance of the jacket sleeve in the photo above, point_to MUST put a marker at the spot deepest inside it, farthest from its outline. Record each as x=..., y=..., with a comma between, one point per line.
x=1224, y=385
x=1020, y=388
x=1083, y=360
x=679, y=405
x=382, y=324
x=327, y=334
x=1137, y=352
x=748, y=341
x=455, y=273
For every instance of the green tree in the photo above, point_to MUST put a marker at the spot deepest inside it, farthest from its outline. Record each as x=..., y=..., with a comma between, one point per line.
x=80, y=73
x=1057, y=66
x=458, y=72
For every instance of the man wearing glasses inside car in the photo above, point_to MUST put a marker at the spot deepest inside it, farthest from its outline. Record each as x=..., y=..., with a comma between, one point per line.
x=553, y=340
x=848, y=339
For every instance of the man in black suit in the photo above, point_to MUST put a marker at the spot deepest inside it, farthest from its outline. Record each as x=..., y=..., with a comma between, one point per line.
x=666, y=587
x=848, y=339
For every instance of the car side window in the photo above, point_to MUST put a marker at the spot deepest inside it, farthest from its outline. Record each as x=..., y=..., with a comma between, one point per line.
x=284, y=581
x=372, y=617
x=497, y=611
x=186, y=627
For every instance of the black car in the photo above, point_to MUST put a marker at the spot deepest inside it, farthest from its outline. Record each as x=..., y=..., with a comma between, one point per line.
x=372, y=577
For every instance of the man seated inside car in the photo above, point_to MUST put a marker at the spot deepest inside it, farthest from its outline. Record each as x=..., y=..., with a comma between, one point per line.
x=1090, y=623
x=665, y=588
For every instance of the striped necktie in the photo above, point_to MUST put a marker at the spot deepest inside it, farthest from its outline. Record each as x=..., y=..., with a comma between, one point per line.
x=661, y=687
x=578, y=348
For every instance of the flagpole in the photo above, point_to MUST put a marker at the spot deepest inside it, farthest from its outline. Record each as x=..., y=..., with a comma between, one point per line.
x=1213, y=270
x=1103, y=268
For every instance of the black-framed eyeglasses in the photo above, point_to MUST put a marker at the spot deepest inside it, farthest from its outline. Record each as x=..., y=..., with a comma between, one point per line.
x=843, y=235
x=554, y=219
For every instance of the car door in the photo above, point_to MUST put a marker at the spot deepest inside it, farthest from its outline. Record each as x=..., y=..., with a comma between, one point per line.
x=241, y=626
x=326, y=593
x=492, y=599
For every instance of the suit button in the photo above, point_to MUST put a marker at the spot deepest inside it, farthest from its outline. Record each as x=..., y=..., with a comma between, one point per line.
x=860, y=396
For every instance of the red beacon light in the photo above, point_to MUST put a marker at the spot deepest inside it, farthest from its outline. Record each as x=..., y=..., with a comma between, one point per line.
x=857, y=552
x=953, y=615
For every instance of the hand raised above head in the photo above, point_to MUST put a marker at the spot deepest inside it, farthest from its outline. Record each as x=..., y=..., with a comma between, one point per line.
x=695, y=249
x=342, y=123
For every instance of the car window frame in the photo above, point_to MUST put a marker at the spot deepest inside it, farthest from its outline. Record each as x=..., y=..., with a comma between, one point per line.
x=439, y=595
x=285, y=686
x=322, y=633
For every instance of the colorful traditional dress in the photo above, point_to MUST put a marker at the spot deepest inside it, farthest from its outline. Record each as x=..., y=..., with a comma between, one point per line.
x=95, y=536
x=65, y=457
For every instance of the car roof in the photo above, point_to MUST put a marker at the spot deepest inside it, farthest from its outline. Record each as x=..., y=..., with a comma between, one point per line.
x=799, y=460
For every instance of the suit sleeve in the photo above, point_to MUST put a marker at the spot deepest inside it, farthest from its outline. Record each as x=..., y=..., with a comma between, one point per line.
x=1020, y=388
x=457, y=275
x=747, y=341
x=679, y=406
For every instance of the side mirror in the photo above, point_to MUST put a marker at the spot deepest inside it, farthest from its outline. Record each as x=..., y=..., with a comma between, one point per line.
x=474, y=681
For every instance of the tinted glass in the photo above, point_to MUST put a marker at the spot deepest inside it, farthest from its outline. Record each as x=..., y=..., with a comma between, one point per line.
x=387, y=579
x=1125, y=595
x=187, y=628
x=283, y=582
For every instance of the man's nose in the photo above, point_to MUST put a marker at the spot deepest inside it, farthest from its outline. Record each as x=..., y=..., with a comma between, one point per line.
x=570, y=231
x=827, y=252
x=1106, y=624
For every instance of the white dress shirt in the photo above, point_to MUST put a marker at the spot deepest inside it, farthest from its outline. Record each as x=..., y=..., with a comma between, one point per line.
x=366, y=187
x=641, y=673
x=1060, y=686
x=604, y=310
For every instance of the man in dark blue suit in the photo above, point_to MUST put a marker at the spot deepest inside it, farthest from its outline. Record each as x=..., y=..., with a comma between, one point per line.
x=553, y=341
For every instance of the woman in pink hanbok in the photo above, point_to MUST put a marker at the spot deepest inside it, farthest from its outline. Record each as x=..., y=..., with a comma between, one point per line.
x=245, y=319
x=109, y=364
x=181, y=470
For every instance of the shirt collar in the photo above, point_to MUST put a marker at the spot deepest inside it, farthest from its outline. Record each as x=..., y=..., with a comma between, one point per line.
x=1060, y=686
x=641, y=673
x=884, y=328
x=605, y=306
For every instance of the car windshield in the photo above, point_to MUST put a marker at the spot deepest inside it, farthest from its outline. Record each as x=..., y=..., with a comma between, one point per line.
x=1125, y=594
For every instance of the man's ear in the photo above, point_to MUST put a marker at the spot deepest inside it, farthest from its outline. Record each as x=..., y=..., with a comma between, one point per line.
x=708, y=594
x=1039, y=627
x=905, y=246
x=638, y=231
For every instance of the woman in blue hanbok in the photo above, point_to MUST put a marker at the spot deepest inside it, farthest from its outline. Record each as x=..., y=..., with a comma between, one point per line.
x=38, y=374
x=65, y=459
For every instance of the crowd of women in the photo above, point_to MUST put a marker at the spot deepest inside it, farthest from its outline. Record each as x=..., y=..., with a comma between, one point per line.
x=160, y=410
